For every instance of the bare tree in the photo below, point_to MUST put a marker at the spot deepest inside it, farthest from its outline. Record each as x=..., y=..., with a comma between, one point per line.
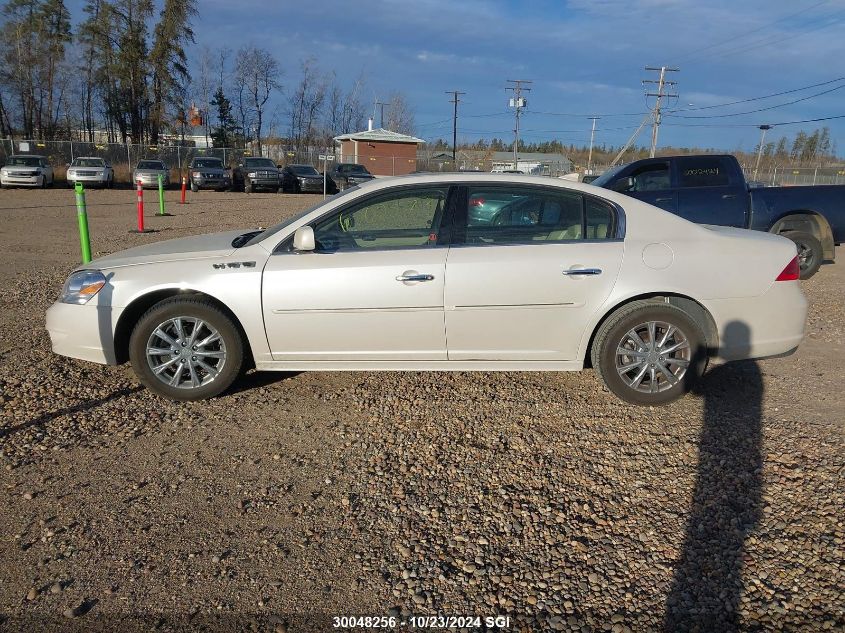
x=255, y=71
x=306, y=103
x=204, y=87
x=400, y=114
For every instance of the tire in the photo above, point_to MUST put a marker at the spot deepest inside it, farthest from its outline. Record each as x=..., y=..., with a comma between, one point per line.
x=810, y=252
x=227, y=358
x=43, y=183
x=277, y=190
x=629, y=385
x=194, y=187
x=247, y=186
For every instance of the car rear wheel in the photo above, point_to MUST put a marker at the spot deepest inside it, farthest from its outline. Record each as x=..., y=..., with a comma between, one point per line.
x=649, y=353
x=186, y=349
x=810, y=252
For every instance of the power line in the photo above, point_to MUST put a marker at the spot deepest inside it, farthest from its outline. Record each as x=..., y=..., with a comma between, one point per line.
x=778, y=105
x=755, y=125
x=774, y=94
x=735, y=37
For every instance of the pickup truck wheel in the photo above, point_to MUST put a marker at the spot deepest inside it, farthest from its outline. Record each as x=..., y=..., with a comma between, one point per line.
x=649, y=353
x=810, y=252
x=186, y=349
x=247, y=186
x=194, y=187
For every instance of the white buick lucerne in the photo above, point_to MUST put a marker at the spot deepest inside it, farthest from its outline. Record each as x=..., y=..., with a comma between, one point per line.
x=442, y=272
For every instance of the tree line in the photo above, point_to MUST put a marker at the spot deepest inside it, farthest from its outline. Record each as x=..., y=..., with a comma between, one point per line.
x=126, y=70
x=815, y=148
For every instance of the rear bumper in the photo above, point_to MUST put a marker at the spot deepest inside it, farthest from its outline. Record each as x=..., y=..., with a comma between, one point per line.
x=760, y=327
x=83, y=331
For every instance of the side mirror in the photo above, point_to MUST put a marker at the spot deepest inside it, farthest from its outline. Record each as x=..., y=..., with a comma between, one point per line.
x=624, y=184
x=303, y=239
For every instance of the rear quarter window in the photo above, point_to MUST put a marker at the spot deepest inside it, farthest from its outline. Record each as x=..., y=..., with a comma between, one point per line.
x=704, y=171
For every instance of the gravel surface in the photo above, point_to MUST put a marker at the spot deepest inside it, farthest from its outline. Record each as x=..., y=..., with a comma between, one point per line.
x=298, y=497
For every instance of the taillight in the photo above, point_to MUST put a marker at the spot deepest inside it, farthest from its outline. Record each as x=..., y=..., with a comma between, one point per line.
x=791, y=272
x=476, y=202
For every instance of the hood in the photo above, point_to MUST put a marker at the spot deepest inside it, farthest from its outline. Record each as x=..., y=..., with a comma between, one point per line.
x=196, y=247
x=151, y=171
x=209, y=170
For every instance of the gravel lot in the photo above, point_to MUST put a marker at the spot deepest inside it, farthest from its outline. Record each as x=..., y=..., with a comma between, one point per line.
x=299, y=497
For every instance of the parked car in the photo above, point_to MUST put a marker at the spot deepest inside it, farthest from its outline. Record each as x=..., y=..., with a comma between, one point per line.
x=254, y=173
x=91, y=171
x=207, y=172
x=305, y=179
x=149, y=170
x=711, y=189
x=346, y=175
x=369, y=279
x=26, y=171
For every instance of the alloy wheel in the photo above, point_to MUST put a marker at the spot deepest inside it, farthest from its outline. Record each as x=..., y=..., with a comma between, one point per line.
x=653, y=356
x=185, y=352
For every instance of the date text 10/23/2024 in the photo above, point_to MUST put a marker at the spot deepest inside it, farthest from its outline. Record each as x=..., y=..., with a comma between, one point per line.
x=421, y=621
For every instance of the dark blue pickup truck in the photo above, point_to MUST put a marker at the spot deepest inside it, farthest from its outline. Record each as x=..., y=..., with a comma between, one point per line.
x=711, y=189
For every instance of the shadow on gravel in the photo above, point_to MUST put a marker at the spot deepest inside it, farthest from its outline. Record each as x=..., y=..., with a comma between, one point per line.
x=45, y=418
x=726, y=506
x=258, y=379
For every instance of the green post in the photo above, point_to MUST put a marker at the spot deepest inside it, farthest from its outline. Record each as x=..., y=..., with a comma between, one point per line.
x=160, y=195
x=82, y=217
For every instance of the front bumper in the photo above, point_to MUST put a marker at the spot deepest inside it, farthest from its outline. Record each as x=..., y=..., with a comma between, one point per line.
x=83, y=331
x=20, y=181
x=152, y=181
x=262, y=183
x=760, y=327
x=89, y=180
x=211, y=182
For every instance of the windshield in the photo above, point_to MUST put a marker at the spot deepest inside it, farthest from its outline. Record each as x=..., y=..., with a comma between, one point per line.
x=214, y=163
x=304, y=170
x=357, y=169
x=24, y=161
x=608, y=176
x=259, y=162
x=151, y=164
x=288, y=221
x=88, y=162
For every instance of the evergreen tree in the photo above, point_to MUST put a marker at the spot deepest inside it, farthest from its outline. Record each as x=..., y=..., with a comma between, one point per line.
x=224, y=133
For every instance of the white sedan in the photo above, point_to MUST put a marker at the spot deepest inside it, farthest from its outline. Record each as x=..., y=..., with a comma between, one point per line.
x=400, y=274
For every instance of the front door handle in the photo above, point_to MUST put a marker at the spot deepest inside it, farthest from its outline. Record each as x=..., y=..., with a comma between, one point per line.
x=662, y=199
x=572, y=272
x=728, y=196
x=415, y=277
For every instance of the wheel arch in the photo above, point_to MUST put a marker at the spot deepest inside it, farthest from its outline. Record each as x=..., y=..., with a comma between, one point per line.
x=689, y=305
x=136, y=309
x=809, y=222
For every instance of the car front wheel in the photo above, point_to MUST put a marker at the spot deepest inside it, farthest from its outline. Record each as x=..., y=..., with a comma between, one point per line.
x=186, y=349
x=649, y=353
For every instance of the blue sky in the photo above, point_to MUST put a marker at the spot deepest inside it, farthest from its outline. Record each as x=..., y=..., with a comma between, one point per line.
x=584, y=57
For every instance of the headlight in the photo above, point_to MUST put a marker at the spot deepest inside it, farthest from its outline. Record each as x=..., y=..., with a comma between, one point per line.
x=251, y=174
x=4, y=172
x=82, y=285
x=71, y=173
x=196, y=174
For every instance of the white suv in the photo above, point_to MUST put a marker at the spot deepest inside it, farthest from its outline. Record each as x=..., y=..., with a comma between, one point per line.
x=26, y=171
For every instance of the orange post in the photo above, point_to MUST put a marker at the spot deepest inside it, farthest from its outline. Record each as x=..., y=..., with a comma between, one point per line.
x=141, y=228
x=184, y=188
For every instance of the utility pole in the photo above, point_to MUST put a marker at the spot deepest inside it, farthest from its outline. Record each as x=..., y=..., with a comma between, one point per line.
x=763, y=130
x=592, y=136
x=382, y=104
x=660, y=94
x=517, y=102
x=455, y=100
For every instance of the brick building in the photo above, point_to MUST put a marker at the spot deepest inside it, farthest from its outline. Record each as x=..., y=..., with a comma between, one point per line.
x=382, y=152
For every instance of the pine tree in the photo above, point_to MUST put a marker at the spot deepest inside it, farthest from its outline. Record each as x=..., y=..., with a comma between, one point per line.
x=223, y=134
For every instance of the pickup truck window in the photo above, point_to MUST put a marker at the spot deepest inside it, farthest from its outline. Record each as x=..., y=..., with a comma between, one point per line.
x=653, y=177
x=703, y=171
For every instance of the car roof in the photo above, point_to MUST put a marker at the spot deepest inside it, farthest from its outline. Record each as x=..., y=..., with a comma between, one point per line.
x=89, y=158
x=27, y=156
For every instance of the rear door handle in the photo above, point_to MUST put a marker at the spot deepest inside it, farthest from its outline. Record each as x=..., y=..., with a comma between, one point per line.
x=415, y=277
x=573, y=272
x=662, y=199
x=728, y=196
